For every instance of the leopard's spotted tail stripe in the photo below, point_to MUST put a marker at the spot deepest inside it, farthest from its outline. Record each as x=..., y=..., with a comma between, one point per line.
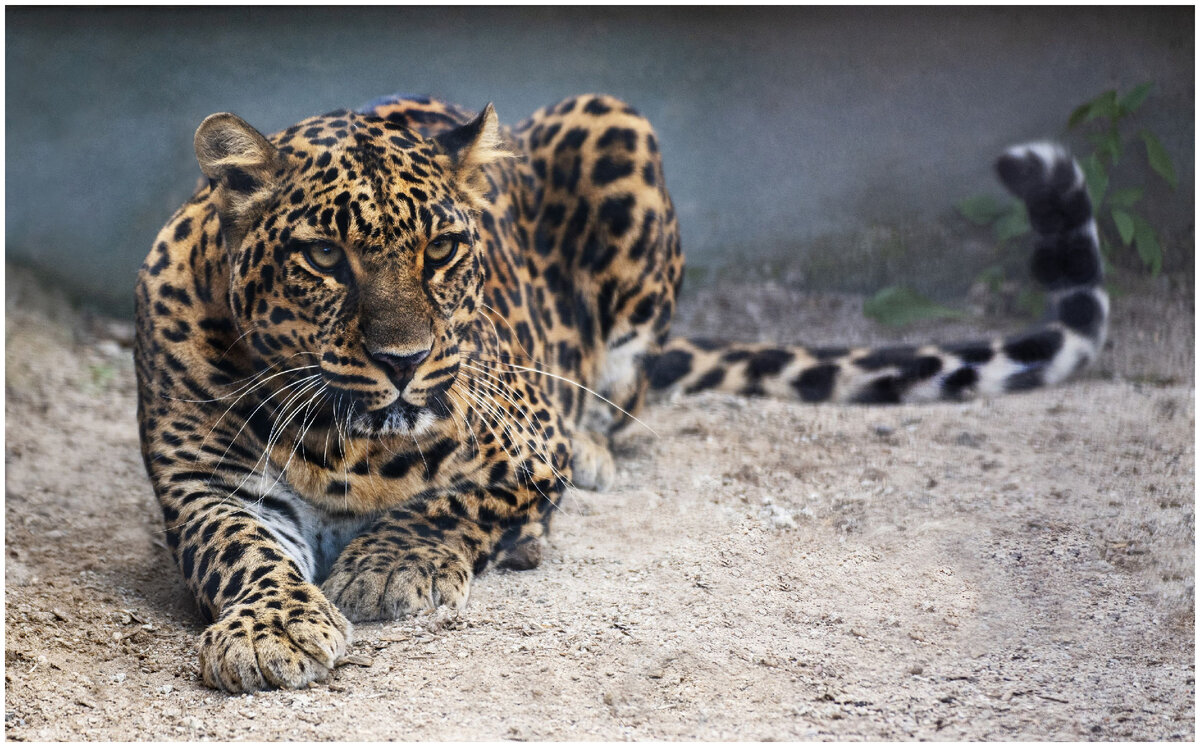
x=1066, y=261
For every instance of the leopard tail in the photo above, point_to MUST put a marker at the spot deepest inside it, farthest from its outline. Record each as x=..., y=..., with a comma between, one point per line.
x=1066, y=262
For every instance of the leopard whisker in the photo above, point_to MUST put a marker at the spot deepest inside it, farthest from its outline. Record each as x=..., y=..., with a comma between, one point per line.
x=282, y=420
x=246, y=421
x=252, y=388
x=264, y=459
x=572, y=382
x=505, y=391
x=487, y=402
x=249, y=379
x=466, y=424
x=306, y=422
x=528, y=355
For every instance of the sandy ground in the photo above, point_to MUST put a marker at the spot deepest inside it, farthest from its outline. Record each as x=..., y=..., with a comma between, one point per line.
x=1020, y=568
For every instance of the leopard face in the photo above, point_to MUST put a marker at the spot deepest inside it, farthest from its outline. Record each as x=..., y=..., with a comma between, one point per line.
x=355, y=259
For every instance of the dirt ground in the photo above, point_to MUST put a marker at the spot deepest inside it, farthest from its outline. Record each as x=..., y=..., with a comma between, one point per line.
x=1011, y=569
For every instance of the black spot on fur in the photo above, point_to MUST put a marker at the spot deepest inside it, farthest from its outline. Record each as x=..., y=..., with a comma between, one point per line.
x=607, y=170
x=212, y=586
x=399, y=465
x=1068, y=260
x=597, y=107
x=709, y=380
x=498, y=472
x=1082, y=312
x=1034, y=347
x=1051, y=212
x=622, y=136
x=828, y=353
x=974, y=352
x=923, y=367
x=886, y=390
x=436, y=454
x=768, y=362
x=885, y=357
x=616, y=212
x=571, y=140
x=669, y=368
x=958, y=382
x=643, y=311
x=816, y=384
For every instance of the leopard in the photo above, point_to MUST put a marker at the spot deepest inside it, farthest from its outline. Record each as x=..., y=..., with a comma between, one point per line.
x=376, y=349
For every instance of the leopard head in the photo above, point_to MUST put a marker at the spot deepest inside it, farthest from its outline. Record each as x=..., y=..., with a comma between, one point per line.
x=354, y=250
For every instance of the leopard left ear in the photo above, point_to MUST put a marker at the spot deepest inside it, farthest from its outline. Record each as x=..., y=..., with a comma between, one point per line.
x=241, y=165
x=471, y=146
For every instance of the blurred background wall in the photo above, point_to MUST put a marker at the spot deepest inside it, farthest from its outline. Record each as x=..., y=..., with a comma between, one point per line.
x=825, y=145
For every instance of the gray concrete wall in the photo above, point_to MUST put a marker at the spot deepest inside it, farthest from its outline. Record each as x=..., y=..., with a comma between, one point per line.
x=826, y=143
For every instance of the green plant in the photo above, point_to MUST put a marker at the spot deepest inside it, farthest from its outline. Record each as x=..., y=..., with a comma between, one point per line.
x=897, y=306
x=1105, y=117
x=1108, y=111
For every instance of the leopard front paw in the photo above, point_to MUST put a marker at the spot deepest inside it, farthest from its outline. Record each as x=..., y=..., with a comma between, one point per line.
x=592, y=465
x=257, y=647
x=393, y=582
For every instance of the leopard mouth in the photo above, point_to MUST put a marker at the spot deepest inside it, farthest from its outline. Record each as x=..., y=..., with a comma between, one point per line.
x=398, y=418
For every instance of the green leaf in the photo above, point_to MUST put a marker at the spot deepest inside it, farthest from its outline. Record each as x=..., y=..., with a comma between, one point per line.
x=1148, y=247
x=1124, y=223
x=982, y=209
x=1077, y=116
x=1109, y=143
x=1131, y=101
x=1103, y=106
x=897, y=306
x=1012, y=224
x=1096, y=178
x=1159, y=160
x=1125, y=198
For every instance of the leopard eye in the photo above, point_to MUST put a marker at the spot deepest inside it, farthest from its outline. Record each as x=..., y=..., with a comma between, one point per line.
x=324, y=257
x=441, y=250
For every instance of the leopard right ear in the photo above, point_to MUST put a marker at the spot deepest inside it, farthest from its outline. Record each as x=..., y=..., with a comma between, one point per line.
x=241, y=165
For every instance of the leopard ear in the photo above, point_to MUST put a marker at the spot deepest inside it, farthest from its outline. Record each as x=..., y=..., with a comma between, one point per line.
x=241, y=165
x=472, y=146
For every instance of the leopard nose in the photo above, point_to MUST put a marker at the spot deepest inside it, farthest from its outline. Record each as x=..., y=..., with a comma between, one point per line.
x=400, y=368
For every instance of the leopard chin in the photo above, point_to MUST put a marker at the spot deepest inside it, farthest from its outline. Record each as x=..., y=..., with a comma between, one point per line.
x=398, y=418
